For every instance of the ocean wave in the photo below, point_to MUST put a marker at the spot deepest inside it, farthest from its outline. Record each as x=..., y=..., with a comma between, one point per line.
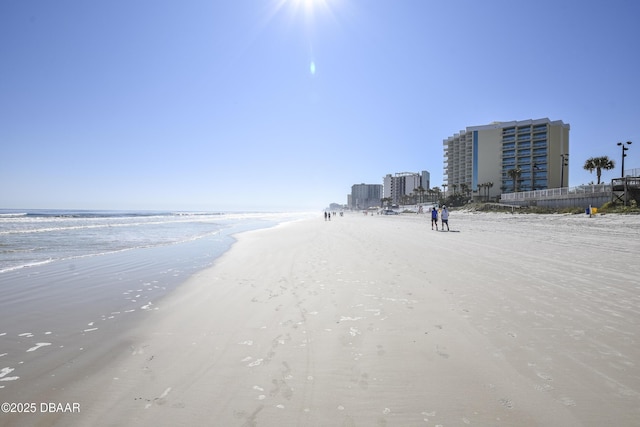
x=27, y=265
x=35, y=263
x=13, y=215
x=38, y=226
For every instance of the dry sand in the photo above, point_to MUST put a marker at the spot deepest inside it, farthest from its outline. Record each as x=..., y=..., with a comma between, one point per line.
x=514, y=320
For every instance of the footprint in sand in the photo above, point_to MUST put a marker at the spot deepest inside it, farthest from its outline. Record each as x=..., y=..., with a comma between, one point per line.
x=442, y=353
x=544, y=376
x=566, y=401
x=507, y=403
x=543, y=387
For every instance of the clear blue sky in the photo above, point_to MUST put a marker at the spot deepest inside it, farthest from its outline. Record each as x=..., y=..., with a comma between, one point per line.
x=273, y=104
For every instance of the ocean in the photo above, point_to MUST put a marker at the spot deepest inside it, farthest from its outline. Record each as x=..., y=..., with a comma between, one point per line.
x=70, y=279
x=37, y=237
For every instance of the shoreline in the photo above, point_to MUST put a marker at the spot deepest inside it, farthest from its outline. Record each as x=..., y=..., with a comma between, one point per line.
x=64, y=315
x=370, y=320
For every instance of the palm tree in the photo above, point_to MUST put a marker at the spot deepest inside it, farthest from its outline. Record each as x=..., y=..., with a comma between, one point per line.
x=489, y=185
x=598, y=163
x=437, y=191
x=420, y=190
x=481, y=188
x=464, y=189
x=515, y=175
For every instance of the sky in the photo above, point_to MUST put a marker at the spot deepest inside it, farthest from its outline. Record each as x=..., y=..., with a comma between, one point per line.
x=285, y=104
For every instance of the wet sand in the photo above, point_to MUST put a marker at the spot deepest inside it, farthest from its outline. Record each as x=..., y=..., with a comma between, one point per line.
x=515, y=320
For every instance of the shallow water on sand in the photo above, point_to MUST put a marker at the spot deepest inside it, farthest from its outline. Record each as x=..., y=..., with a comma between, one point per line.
x=103, y=277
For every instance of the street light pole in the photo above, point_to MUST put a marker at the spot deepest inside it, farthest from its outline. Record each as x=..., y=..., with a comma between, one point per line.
x=533, y=176
x=623, y=154
x=565, y=162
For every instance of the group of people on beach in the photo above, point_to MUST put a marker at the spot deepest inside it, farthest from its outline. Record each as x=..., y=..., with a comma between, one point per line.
x=327, y=215
x=444, y=217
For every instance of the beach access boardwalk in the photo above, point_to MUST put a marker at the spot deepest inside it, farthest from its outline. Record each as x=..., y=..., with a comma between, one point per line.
x=625, y=189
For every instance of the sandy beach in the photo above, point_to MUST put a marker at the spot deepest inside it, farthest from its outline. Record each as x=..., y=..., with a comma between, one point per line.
x=514, y=320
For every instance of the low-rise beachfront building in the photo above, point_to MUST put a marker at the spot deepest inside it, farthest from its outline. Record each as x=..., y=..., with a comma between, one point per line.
x=403, y=184
x=480, y=158
x=365, y=196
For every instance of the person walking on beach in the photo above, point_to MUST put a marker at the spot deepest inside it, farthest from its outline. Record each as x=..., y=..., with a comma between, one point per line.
x=434, y=218
x=444, y=216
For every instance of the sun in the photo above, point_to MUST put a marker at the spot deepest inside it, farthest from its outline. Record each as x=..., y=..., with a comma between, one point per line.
x=306, y=8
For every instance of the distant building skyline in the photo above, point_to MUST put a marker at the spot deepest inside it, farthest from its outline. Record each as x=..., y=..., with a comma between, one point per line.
x=478, y=161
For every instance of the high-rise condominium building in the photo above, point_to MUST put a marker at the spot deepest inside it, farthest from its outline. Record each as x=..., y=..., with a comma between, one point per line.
x=404, y=184
x=365, y=196
x=479, y=158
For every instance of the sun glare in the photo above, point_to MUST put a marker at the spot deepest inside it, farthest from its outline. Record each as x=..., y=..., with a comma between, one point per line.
x=310, y=16
x=306, y=8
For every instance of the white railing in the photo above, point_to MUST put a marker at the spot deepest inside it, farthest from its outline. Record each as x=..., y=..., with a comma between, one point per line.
x=632, y=172
x=557, y=192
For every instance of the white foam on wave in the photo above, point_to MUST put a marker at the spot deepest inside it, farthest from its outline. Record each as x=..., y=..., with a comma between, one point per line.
x=29, y=264
x=38, y=345
x=13, y=215
x=4, y=372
